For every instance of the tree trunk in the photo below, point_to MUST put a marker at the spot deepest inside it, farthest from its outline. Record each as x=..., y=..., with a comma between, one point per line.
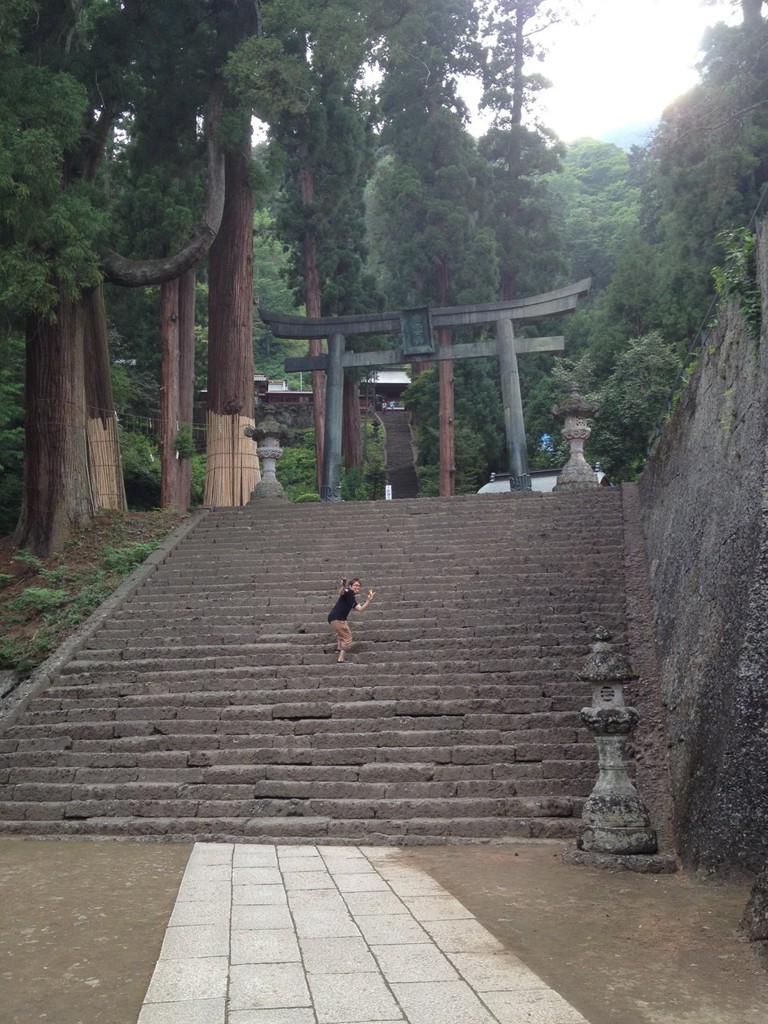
x=751, y=13
x=187, y=291
x=104, y=463
x=56, y=498
x=313, y=307
x=169, y=395
x=140, y=273
x=446, y=406
x=446, y=418
x=351, y=431
x=232, y=467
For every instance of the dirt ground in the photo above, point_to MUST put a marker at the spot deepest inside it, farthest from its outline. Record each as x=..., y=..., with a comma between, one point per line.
x=82, y=925
x=623, y=948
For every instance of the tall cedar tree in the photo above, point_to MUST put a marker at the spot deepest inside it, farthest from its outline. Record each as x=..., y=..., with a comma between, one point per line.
x=428, y=188
x=232, y=466
x=157, y=179
x=70, y=73
x=521, y=151
x=708, y=164
x=303, y=79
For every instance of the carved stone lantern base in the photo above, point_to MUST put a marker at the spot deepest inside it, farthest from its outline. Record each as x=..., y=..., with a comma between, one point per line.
x=268, y=489
x=641, y=863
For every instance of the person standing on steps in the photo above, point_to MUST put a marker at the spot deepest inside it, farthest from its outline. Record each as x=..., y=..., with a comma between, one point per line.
x=337, y=617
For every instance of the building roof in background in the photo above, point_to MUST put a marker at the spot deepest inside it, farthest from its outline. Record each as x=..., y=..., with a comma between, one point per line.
x=392, y=377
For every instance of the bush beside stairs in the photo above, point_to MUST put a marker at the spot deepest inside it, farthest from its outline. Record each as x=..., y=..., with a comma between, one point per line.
x=210, y=705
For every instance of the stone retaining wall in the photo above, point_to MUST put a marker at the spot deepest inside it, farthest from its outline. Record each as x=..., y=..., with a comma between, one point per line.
x=705, y=515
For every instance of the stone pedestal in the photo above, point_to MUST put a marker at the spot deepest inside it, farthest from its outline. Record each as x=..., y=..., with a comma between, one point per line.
x=576, y=474
x=614, y=820
x=267, y=436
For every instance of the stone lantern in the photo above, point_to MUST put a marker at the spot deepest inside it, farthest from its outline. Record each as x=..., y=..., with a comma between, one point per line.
x=576, y=474
x=267, y=436
x=614, y=820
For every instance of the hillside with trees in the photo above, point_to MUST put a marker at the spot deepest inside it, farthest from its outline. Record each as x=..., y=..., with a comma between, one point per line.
x=143, y=223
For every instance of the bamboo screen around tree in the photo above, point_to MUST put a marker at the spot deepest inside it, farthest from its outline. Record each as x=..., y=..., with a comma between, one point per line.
x=232, y=469
x=104, y=469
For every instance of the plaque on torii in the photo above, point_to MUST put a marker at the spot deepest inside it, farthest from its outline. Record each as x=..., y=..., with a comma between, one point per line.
x=415, y=327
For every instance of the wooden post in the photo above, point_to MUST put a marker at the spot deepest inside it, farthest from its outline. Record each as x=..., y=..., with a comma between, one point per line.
x=331, y=485
x=169, y=398
x=186, y=375
x=446, y=417
x=514, y=425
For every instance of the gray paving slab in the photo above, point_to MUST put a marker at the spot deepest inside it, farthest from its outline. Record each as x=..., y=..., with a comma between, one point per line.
x=444, y=1002
x=186, y=1011
x=341, y=955
x=265, y=946
x=267, y=986
x=297, y=935
x=352, y=998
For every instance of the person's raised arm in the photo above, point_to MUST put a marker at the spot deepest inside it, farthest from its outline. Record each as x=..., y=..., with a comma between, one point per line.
x=364, y=605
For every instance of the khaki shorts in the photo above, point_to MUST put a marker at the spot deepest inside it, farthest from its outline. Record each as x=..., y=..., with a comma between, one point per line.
x=343, y=634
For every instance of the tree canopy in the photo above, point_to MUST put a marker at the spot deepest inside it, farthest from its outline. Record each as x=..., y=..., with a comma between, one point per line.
x=115, y=119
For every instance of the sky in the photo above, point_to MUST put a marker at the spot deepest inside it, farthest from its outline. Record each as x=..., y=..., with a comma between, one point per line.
x=624, y=63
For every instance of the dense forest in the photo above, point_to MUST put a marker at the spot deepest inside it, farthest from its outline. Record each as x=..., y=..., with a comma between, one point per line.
x=166, y=168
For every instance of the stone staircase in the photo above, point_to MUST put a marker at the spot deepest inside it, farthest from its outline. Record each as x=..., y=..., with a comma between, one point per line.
x=401, y=472
x=210, y=706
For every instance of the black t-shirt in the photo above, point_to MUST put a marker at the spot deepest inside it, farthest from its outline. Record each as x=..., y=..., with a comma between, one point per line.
x=343, y=606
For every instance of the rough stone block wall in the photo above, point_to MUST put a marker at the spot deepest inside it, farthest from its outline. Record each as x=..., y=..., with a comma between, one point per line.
x=704, y=496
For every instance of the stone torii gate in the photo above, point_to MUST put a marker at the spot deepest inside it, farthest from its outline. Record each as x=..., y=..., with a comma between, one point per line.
x=415, y=327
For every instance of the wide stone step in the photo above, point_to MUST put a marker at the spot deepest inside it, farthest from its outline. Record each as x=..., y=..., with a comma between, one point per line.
x=224, y=687
x=413, y=831
x=572, y=633
x=159, y=800
x=274, y=649
x=338, y=702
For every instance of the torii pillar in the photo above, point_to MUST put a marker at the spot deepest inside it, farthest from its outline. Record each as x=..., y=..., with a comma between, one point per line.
x=512, y=400
x=330, y=487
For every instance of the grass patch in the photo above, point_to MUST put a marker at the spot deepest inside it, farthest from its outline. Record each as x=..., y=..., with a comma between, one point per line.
x=43, y=601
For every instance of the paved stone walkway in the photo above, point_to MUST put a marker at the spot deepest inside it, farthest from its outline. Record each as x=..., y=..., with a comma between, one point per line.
x=333, y=935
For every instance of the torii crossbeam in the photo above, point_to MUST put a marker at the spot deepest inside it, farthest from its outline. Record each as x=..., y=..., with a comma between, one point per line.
x=415, y=327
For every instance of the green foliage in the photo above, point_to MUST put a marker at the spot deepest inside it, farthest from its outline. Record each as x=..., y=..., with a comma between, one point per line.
x=631, y=400
x=11, y=430
x=471, y=463
x=737, y=276
x=197, y=479
x=374, y=474
x=429, y=480
x=352, y=486
x=599, y=205
x=479, y=430
x=28, y=559
x=141, y=470
x=49, y=233
x=63, y=591
x=431, y=193
x=124, y=560
x=39, y=599
x=184, y=442
x=296, y=469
